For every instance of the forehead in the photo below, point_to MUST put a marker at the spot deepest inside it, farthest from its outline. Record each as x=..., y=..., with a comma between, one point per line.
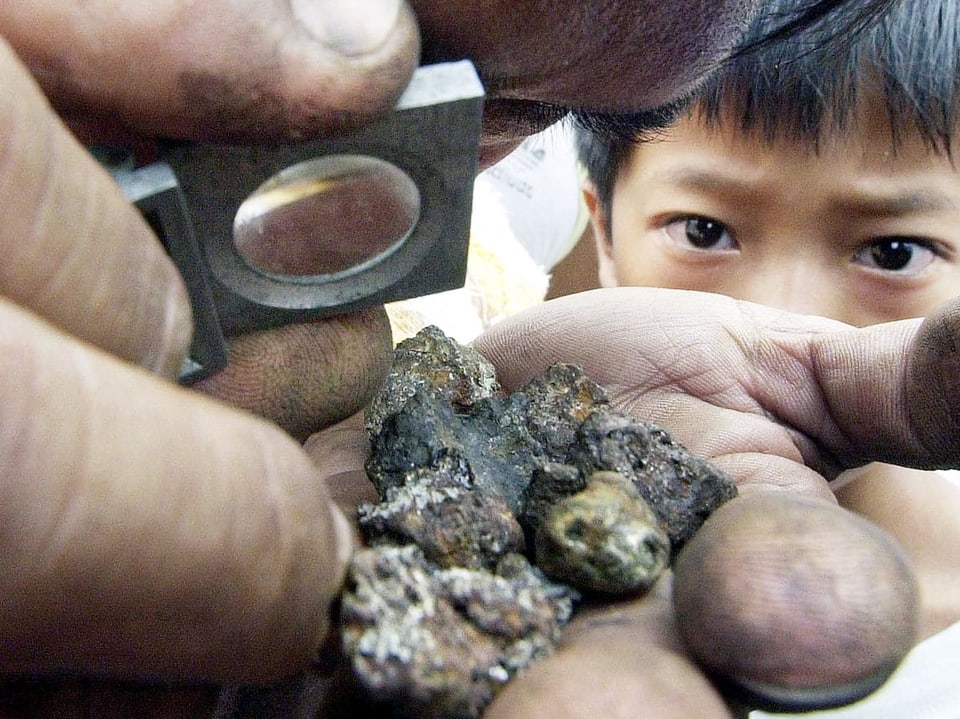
x=861, y=168
x=869, y=142
x=610, y=55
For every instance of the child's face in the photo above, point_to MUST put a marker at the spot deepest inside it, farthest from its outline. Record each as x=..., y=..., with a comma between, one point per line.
x=856, y=233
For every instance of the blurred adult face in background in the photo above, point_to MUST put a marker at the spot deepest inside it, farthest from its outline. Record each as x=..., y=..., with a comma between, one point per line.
x=539, y=59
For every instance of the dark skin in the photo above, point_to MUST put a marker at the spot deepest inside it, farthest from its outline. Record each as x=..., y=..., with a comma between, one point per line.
x=123, y=494
x=669, y=53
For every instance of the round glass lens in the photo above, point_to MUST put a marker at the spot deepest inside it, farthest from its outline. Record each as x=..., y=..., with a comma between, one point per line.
x=327, y=215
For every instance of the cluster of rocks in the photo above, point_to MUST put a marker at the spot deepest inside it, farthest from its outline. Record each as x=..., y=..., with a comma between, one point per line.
x=497, y=512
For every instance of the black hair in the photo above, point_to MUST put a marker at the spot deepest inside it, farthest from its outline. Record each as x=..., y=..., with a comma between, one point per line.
x=803, y=86
x=801, y=83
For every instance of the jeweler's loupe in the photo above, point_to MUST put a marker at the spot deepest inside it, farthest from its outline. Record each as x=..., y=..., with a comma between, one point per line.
x=270, y=235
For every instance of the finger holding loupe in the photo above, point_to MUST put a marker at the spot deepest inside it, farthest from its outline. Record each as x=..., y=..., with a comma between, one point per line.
x=271, y=235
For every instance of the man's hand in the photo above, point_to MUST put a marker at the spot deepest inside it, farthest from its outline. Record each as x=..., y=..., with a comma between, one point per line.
x=774, y=399
x=147, y=531
x=785, y=593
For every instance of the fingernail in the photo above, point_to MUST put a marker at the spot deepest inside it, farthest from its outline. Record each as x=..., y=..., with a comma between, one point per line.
x=346, y=538
x=170, y=319
x=351, y=27
x=177, y=333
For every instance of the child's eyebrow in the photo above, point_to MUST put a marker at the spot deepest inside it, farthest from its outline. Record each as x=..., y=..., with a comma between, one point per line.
x=864, y=203
x=895, y=205
x=708, y=181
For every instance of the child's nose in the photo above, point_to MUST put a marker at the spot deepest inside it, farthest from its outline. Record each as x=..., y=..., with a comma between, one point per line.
x=800, y=287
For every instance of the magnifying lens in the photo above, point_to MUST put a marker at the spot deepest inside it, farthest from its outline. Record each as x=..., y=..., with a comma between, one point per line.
x=270, y=235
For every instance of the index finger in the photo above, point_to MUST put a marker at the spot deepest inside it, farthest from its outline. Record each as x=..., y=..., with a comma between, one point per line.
x=149, y=532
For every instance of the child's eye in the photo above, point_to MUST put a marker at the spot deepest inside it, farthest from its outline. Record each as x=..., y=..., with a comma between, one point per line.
x=701, y=232
x=896, y=254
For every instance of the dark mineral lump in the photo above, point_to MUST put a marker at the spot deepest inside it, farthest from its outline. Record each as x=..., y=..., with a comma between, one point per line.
x=497, y=511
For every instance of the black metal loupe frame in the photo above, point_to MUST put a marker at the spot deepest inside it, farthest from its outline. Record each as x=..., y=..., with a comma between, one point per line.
x=191, y=196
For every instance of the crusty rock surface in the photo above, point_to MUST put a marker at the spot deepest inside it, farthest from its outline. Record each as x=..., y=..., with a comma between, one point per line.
x=445, y=606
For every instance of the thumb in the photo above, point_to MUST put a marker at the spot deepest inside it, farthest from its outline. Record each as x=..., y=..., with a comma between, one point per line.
x=309, y=376
x=932, y=386
x=222, y=68
x=795, y=601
